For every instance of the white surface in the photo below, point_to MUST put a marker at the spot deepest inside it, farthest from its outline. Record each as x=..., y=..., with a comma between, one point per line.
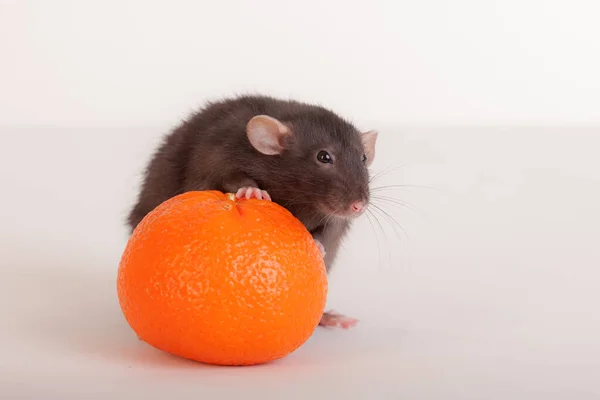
x=495, y=295
x=403, y=62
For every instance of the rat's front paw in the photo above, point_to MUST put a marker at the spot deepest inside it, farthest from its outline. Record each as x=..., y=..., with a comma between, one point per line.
x=321, y=247
x=252, y=192
x=334, y=320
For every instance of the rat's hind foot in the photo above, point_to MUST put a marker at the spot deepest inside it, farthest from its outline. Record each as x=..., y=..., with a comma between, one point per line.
x=334, y=320
x=250, y=192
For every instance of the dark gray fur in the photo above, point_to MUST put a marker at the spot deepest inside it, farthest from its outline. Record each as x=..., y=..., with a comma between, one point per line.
x=211, y=151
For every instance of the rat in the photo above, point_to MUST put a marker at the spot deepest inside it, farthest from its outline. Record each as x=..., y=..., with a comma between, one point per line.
x=302, y=156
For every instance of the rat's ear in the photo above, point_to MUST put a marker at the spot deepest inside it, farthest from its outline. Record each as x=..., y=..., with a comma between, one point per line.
x=369, y=139
x=267, y=134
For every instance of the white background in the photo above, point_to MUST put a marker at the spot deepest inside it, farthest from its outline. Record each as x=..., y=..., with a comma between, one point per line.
x=493, y=105
x=426, y=62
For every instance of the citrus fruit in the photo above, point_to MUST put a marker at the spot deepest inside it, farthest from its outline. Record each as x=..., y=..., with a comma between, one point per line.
x=220, y=280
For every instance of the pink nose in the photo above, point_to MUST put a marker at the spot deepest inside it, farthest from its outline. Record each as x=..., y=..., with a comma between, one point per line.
x=358, y=207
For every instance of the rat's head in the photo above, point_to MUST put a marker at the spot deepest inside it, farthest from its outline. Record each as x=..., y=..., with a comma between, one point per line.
x=320, y=159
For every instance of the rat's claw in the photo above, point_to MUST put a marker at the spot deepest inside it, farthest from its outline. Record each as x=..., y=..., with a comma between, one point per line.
x=266, y=195
x=321, y=247
x=334, y=320
x=252, y=192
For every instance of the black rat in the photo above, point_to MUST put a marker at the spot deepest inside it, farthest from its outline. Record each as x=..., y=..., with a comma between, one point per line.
x=302, y=156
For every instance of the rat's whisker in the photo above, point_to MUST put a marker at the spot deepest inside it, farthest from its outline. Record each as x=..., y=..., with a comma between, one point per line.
x=370, y=216
x=385, y=172
x=401, y=204
x=383, y=232
x=393, y=222
x=331, y=215
x=404, y=186
x=299, y=200
x=295, y=191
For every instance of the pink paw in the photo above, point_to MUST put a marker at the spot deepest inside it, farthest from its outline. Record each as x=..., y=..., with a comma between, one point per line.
x=321, y=247
x=334, y=320
x=252, y=192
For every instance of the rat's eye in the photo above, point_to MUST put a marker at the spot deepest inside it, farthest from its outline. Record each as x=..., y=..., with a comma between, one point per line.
x=364, y=158
x=324, y=157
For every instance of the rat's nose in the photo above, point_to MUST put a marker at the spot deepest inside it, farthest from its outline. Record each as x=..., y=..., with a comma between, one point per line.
x=358, y=206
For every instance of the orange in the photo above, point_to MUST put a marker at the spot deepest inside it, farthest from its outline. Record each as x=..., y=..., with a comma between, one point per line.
x=211, y=278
